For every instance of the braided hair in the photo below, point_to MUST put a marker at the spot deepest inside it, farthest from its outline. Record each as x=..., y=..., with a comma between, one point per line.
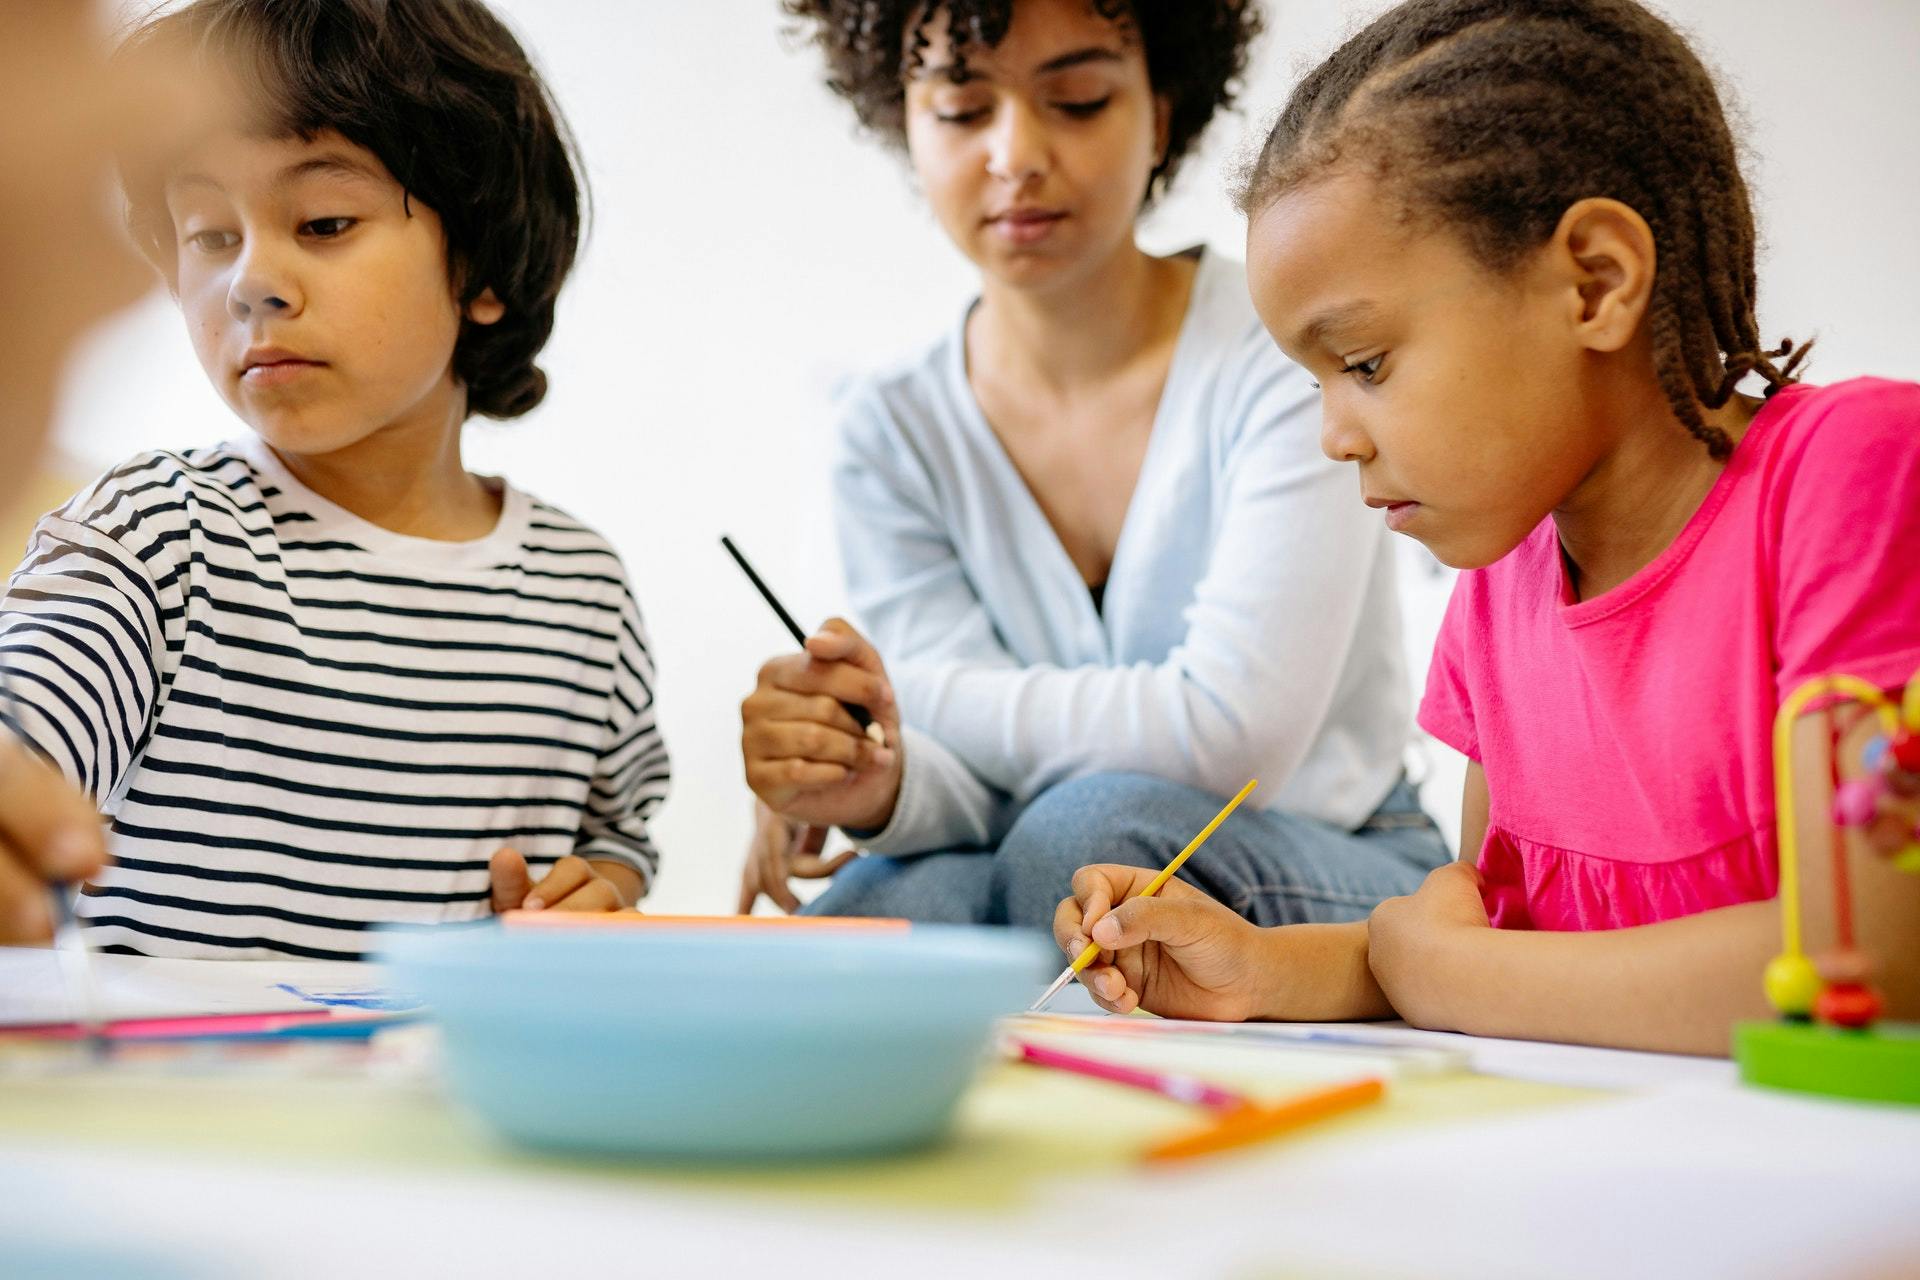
x=1196, y=51
x=1495, y=116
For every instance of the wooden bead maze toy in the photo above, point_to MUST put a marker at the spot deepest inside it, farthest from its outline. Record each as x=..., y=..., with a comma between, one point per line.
x=1829, y=1037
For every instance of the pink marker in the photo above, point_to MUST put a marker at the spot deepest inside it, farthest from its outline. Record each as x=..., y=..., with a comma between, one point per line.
x=1168, y=1084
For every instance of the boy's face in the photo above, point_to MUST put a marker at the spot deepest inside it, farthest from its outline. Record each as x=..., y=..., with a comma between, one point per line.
x=317, y=295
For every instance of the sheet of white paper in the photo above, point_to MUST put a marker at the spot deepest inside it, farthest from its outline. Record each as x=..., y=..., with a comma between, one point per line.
x=1575, y=1065
x=33, y=989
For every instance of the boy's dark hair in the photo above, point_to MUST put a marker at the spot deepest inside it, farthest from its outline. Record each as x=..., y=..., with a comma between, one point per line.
x=1497, y=115
x=1195, y=51
x=444, y=95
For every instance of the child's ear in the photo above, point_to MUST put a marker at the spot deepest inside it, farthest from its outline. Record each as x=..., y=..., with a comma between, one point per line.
x=486, y=309
x=1610, y=253
x=1162, y=127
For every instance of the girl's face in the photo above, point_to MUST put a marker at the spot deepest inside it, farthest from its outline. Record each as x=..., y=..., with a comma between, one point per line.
x=1461, y=392
x=1037, y=160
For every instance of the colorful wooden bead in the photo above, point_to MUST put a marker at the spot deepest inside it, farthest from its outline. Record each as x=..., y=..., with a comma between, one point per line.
x=1847, y=1004
x=1792, y=985
x=1888, y=834
x=1857, y=801
x=1905, y=750
x=1846, y=967
x=1873, y=756
x=1908, y=860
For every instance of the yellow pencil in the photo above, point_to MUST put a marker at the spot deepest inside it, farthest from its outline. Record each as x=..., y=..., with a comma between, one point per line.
x=1086, y=957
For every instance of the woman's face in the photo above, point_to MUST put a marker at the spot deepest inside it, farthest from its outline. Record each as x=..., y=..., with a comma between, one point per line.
x=1037, y=159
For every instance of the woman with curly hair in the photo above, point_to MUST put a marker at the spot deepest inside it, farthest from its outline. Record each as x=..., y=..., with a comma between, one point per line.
x=1107, y=572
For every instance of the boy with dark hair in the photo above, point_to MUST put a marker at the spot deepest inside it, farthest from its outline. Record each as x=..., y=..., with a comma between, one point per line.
x=327, y=678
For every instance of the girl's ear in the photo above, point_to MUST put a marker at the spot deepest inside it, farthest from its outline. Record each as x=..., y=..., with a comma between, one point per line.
x=1609, y=252
x=1162, y=127
x=486, y=309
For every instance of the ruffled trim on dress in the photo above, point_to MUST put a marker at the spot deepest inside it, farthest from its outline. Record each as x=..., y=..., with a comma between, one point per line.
x=1529, y=885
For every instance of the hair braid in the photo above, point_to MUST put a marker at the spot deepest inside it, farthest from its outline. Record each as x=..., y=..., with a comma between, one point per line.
x=1496, y=116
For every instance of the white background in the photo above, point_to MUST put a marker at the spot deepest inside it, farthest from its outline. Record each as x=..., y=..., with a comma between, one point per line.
x=748, y=253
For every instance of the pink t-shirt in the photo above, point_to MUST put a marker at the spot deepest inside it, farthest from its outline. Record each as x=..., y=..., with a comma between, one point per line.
x=1627, y=739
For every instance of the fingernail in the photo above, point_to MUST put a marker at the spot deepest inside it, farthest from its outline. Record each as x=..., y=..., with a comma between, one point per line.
x=884, y=757
x=532, y=904
x=72, y=853
x=1106, y=932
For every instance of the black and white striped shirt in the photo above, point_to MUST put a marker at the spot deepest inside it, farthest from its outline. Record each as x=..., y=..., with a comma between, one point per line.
x=302, y=725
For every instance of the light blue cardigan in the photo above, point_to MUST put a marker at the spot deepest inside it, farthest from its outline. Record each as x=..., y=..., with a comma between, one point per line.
x=1250, y=626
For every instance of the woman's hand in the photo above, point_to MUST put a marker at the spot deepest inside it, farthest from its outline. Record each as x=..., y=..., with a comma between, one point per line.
x=806, y=758
x=574, y=884
x=1405, y=935
x=1179, y=954
x=48, y=832
x=783, y=851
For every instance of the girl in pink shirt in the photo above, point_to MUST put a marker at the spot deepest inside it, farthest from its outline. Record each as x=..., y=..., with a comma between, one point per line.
x=1511, y=240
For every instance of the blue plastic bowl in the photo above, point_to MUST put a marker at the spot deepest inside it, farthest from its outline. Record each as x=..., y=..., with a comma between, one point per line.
x=724, y=1045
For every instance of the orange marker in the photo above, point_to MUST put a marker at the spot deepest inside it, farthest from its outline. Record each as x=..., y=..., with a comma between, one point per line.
x=1252, y=1124
x=644, y=921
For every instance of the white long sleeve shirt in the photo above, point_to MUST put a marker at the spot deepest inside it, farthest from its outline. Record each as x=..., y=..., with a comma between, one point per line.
x=1250, y=625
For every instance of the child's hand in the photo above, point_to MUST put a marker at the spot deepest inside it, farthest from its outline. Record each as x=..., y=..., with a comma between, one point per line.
x=781, y=852
x=48, y=831
x=1402, y=934
x=574, y=884
x=1179, y=954
x=806, y=758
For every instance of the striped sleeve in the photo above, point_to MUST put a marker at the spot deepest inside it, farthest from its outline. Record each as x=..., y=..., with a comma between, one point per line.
x=83, y=636
x=632, y=776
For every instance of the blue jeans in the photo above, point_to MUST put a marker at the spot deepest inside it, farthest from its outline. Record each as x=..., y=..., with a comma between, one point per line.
x=1272, y=868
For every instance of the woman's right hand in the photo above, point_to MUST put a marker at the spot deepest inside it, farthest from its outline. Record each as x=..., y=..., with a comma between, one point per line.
x=1179, y=954
x=781, y=852
x=806, y=758
x=48, y=832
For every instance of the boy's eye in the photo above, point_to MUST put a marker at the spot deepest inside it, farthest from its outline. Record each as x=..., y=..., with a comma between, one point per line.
x=327, y=228
x=213, y=241
x=1085, y=110
x=972, y=115
x=1365, y=370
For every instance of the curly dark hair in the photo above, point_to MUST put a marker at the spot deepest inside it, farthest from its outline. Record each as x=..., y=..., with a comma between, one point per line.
x=1196, y=51
x=1497, y=115
x=445, y=96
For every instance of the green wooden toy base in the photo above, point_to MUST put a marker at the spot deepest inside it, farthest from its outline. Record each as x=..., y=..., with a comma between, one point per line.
x=1879, y=1065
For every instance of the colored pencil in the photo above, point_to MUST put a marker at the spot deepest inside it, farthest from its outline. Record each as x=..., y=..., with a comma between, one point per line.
x=1159, y=882
x=1168, y=1084
x=76, y=963
x=860, y=714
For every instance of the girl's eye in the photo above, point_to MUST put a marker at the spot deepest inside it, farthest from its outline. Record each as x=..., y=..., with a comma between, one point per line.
x=328, y=228
x=213, y=241
x=1365, y=370
x=1085, y=110
x=973, y=116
